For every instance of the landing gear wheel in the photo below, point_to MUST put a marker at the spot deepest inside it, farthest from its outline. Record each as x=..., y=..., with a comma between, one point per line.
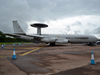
x=52, y=44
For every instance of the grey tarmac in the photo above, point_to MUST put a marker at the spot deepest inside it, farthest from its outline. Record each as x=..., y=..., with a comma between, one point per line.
x=64, y=59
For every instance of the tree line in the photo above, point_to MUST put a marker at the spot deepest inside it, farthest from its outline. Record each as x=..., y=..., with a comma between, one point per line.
x=3, y=38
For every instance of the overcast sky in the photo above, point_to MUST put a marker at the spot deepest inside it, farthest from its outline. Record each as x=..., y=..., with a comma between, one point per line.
x=62, y=16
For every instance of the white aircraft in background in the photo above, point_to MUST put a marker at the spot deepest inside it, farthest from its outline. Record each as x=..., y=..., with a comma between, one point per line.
x=51, y=38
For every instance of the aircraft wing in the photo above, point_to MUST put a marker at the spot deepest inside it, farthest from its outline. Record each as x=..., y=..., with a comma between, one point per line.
x=14, y=35
x=19, y=35
x=37, y=36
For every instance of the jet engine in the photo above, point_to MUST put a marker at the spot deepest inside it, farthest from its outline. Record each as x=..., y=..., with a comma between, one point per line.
x=48, y=39
x=62, y=41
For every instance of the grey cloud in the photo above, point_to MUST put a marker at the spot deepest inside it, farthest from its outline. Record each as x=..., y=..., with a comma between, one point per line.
x=90, y=24
x=67, y=28
x=96, y=31
x=77, y=32
x=57, y=9
x=13, y=10
x=78, y=23
x=87, y=32
x=43, y=10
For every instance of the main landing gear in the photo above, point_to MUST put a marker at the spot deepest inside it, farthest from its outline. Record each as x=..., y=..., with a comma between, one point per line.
x=52, y=44
x=91, y=44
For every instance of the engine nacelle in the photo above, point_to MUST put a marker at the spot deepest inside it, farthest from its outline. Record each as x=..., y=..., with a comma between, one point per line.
x=62, y=41
x=48, y=39
x=26, y=38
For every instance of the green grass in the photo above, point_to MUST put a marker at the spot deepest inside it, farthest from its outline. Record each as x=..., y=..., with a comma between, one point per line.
x=12, y=42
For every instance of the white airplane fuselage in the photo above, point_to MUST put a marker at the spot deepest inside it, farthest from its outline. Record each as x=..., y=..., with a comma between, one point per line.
x=59, y=38
x=72, y=38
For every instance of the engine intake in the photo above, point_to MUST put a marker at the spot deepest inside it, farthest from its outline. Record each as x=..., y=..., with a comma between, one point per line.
x=48, y=39
x=61, y=41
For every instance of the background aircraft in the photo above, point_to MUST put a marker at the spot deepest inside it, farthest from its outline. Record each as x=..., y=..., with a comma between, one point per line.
x=51, y=38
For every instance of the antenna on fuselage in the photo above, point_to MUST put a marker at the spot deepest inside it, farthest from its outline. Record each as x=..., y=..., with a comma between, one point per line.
x=39, y=26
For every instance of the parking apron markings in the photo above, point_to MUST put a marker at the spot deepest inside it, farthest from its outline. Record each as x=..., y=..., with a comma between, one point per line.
x=30, y=51
x=3, y=56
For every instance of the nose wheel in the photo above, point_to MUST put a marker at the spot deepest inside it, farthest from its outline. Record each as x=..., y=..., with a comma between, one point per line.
x=91, y=44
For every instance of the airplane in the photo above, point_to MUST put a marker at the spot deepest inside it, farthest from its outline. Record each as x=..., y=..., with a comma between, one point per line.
x=52, y=39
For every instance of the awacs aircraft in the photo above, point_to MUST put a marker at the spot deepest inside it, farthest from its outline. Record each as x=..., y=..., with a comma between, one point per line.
x=51, y=38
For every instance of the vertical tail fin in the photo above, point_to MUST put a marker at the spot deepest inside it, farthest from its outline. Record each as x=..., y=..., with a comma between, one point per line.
x=17, y=28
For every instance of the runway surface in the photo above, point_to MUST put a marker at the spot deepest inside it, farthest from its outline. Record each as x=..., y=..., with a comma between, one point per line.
x=40, y=59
